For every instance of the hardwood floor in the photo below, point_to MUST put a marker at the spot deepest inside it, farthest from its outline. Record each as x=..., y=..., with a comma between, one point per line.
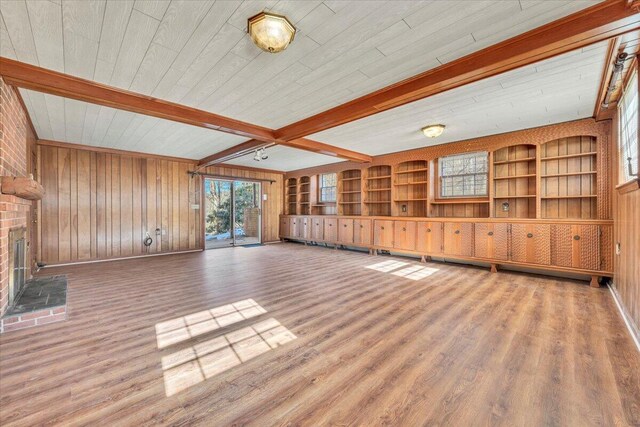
x=362, y=341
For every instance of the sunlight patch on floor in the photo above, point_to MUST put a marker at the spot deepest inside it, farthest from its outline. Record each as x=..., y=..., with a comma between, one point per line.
x=177, y=330
x=202, y=361
x=403, y=269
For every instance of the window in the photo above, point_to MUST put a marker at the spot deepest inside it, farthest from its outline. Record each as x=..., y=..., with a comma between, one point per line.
x=328, y=187
x=629, y=130
x=463, y=175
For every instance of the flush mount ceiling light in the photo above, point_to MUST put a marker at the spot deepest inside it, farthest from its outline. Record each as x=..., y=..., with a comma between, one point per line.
x=433, y=131
x=270, y=32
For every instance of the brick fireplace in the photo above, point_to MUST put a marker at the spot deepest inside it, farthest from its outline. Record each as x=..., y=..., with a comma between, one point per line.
x=17, y=142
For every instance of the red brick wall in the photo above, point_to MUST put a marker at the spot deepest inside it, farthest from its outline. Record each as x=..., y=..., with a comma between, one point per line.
x=16, y=140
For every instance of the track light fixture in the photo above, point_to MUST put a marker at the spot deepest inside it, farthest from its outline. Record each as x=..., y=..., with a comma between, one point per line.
x=260, y=154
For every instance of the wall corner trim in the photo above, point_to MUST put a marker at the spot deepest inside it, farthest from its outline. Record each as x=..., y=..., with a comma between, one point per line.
x=633, y=331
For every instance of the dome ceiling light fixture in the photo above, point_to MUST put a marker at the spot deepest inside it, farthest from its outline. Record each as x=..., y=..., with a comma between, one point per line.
x=270, y=32
x=433, y=131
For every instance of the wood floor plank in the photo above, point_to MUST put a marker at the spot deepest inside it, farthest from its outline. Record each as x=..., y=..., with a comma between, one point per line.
x=457, y=346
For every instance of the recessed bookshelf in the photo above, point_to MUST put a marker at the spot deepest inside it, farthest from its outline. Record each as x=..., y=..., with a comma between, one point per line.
x=350, y=192
x=568, y=178
x=410, y=184
x=291, y=196
x=378, y=191
x=514, y=181
x=304, y=185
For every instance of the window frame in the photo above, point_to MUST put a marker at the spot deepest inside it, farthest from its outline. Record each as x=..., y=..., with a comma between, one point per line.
x=438, y=168
x=632, y=181
x=321, y=198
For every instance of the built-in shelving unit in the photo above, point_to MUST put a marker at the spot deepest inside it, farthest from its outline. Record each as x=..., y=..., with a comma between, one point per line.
x=410, y=187
x=291, y=196
x=514, y=182
x=378, y=191
x=568, y=178
x=350, y=192
x=304, y=190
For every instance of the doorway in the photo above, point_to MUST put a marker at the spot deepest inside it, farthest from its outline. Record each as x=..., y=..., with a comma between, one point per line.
x=233, y=214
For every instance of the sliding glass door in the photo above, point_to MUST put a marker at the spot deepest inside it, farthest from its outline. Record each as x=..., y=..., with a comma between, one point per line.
x=233, y=214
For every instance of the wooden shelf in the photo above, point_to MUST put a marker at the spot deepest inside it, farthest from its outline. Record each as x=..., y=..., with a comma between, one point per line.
x=557, y=175
x=412, y=183
x=304, y=203
x=570, y=156
x=585, y=196
x=412, y=170
x=531, y=175
x=526, y=196
x=303, y=192
x=370, y=178
x=292, y=186
x=349, y=203
x=410, y=200
x=377, y=202
x=379, y=189
x=505, y=162
x=350, y=192
x=351, y=179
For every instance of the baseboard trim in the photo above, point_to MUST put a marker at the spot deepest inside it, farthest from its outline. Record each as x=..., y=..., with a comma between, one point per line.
x=635, y=335
x=119, y=259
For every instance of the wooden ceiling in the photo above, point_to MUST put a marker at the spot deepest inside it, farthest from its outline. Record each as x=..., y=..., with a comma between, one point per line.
x=197, y=53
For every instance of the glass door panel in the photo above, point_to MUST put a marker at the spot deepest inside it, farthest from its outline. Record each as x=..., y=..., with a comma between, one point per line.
x=247, y=212
x=218, y=213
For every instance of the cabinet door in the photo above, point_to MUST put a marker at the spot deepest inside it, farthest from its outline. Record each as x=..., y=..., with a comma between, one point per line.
x=345, y=231
x=458, y=238
x=317, y=229
x=362, y=232
x=575, y=246
x=284, y=227
x=491, y=241
x=305, y=227
x=531, y=243
x=404, y=235
x=330, y=229
x=293, y=227
x=383, y=233
x=429, y=237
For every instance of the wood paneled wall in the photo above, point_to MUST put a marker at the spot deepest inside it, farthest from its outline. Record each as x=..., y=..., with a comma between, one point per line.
x=100, y=205
x=626, y=220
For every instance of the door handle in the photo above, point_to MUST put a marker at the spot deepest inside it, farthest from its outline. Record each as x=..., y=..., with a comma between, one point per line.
x=529, y=235
x=404, y=229
x=345, y=226
x=428, y=230
x=362, y=226
x=382, y=227
x=457, y=231
x=490, y=233
x=576, y=237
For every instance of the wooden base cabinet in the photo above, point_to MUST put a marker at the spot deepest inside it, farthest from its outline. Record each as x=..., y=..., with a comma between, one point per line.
x=429, y=237
x=575, y=246
x=404, y=235
x=531, y=243
x=330, y=230
x=581, y=247
x=362, y=232
x=383, y=233
x=345, y=231
x=317, y=229
x=491, y=241
x=458, y=238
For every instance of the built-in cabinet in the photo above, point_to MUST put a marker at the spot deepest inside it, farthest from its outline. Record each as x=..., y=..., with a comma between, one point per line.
x=574, y=246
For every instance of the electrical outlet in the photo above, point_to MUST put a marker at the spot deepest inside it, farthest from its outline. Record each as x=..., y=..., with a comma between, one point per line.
x=404, y=208
x=264, y=197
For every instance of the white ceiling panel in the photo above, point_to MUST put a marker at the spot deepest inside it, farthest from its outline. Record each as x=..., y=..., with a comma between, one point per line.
x=82, y=123
x=197, y=52
x=560, y=89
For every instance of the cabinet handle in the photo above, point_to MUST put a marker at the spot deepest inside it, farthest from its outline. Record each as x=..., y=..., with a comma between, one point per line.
x=490, y=233
x=330, y=225
x=345, y=226
x=382, y=227
x=428, y=230
x=529, y=235
x=362, y=226
x=457, y=231
x=404, y=229
x=576, y=237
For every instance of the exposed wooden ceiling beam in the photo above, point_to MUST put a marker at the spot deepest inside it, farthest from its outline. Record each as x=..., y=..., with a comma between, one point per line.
x=221, y=156
x=594, y=24
x=52, y=82
x=40, y=79
x=612, y=51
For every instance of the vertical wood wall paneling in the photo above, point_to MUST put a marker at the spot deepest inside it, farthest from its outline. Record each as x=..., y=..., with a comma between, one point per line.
x=101, y=205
